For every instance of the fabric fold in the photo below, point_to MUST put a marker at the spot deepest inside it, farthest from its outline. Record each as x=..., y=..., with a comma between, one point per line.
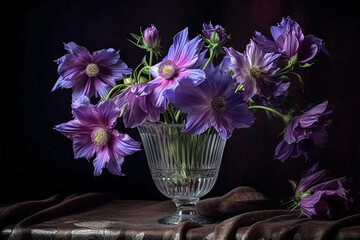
x=242, y=214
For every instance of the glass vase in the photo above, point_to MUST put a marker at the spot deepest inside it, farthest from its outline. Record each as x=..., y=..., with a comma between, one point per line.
x=184, y=167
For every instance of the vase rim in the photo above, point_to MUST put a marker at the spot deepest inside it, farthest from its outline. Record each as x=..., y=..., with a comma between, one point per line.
x=162, y=124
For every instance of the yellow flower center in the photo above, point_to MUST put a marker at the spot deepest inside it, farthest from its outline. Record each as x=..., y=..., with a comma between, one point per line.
x=92, y=70
x=100, y=137
x=255, y=72
x=167, y=69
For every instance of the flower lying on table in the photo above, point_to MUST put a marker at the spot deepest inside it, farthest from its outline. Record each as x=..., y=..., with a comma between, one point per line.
x=187, y=87
x=321, y=197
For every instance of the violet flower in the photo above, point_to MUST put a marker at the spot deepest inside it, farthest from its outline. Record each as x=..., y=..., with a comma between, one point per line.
x=211, y=103
x=209, y=29
x=89, y=74
x=179, y=63
x=305, y=133
x=92, y=134
x=324, y=198
x=289, y=41
x=136, y=104
x=254, y=69
x=310, y=178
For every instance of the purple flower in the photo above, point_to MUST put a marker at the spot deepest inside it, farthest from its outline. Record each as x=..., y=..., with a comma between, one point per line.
x=289, y=40
x=89, y=74
x=151, y=36
x=254, y=69
x=209, y=29
x=136, y=104
x=181, y=58
x=324, y=198
x=326, y=204
x=212, y=103
x=312, y=177
x=305, y=133
x=92, y=134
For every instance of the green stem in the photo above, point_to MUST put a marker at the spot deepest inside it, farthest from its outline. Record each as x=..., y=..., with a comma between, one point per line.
x=107, y=97
x=210, y=58
x=150, y=63
x=166, y=118
x=141, y=70
x=239, y=88
x=285, y=118
x=177, y=115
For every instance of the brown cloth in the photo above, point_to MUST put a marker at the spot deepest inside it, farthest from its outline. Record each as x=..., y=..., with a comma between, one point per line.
x=243, y=213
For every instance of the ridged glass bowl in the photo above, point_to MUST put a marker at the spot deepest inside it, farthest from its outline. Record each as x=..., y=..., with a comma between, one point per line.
x=184, y=167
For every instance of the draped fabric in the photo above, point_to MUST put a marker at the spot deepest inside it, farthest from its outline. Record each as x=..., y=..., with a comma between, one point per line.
x=243, y=213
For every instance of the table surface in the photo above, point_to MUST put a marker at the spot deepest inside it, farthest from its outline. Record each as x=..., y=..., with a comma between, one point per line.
x=102, y=216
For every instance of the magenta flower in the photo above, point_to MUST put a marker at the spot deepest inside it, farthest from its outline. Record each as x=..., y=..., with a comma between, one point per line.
x=179, y=63
x=211, y=103
x=305, y=133
x=136, y=103
x=290, y=40
x=254, y=69
x=89, y=74
x=92, y=134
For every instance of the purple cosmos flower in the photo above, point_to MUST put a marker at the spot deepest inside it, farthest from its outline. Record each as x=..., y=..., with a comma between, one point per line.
x=89, y=74
x=136, y=104
x=326, y=204
x=181, y=58
x=208, y=30
x=305, y=133
x=290, y=40
x=312, y=177
x=325, y=198
x=93, y=134
x=254, y=69
x=212, y=103
x=151, y=36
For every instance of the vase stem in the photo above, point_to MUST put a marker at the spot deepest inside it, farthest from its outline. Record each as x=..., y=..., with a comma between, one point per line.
x=186, y=206
x=185, y=212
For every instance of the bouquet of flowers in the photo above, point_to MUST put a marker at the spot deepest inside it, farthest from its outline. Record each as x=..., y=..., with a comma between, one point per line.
x=186, y=86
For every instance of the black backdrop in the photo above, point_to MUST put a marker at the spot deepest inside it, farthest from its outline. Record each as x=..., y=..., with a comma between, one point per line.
x=36, y=161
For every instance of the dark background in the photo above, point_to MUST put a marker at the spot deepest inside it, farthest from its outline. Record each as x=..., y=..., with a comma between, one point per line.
x=36, y=161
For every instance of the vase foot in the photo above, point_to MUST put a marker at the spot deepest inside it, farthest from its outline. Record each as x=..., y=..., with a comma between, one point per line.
x=180, y=217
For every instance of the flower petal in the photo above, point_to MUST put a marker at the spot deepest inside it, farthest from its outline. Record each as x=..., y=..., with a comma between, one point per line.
x=124, y=145
x=102, y=158
x=197, y=123
x=180, y=39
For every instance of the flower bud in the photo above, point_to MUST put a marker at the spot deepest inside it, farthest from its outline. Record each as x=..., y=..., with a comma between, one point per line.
x=128, y=80
x=151, y=36
x=209, y=30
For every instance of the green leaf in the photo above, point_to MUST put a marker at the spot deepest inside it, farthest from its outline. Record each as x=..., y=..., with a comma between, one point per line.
x=293, y=60
x=214, y=37
x=137, y=37
x=144, y=62
x=293, y=185
x=136, y=44
x=300, y=79
x=286, y=77
x=305, y=65
x=143, y=79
